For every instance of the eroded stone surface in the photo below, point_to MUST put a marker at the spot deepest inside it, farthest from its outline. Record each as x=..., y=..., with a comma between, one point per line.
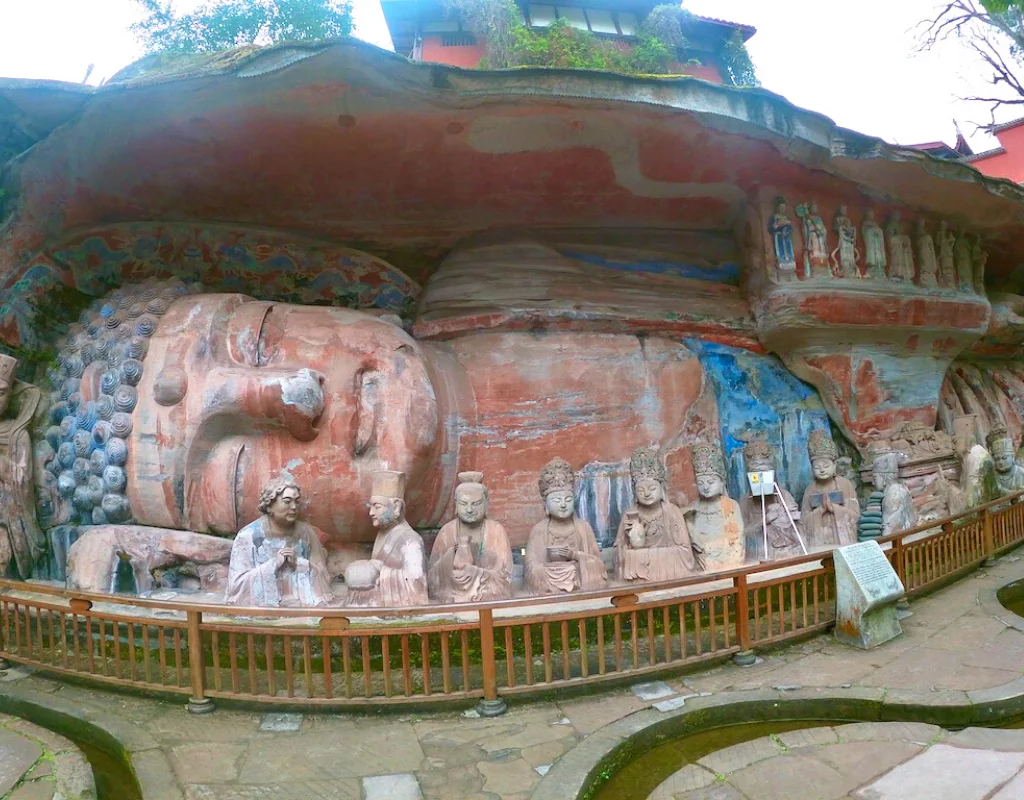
x=946, y=773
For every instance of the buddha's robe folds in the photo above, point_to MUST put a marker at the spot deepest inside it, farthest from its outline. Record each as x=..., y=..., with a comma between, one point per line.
x=782, y=539
x=833, y=528
x=21, y=540
x=487, y=578
x=667, y=553
x=584, y=573
x=402, y=580
x=253, y=577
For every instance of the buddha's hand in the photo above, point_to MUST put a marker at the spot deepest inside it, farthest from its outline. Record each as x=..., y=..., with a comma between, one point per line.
x=285, y=557
x=564, y=553
x=636, y=533
x=462, y=576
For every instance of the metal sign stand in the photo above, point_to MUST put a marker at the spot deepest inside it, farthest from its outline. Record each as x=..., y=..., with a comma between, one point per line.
x=763, y=484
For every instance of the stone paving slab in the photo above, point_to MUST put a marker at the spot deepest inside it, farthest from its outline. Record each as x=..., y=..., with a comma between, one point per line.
x=37, y=764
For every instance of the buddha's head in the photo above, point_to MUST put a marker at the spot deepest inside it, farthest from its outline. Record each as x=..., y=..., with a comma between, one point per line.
x=471, y=498
x=824, y=454
x=648, y=475
x=709, y=469
x=557, y=487
x=758, y=455
x=885, y=470
x=1000, y=445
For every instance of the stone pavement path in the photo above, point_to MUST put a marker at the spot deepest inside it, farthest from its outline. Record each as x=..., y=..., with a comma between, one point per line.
x=865, y=761
x=950, y=645
x=36, y=764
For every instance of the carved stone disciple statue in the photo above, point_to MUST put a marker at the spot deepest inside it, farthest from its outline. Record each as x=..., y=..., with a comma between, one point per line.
x=1009, y=474
x=844, y=257
x=21, y=540
x=815, y=242
x=277, y=560
x=394, y=575
x=782, y=540
x=898, y=511
x=562, y=553
x=926, y=260
x=830, y=509
x=715, y=520
x=653, y=543
x=901, y=252
x=947, y=264
x=874, y=245
x=962, y=259
x=471, y=561
x=978, y=258
x=781, y=228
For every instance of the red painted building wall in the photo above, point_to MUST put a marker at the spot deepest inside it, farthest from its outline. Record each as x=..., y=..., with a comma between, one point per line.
x=458, y=56
x=1008, y=160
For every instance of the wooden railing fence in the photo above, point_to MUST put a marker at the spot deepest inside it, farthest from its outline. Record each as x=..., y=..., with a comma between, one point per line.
x=364, y=657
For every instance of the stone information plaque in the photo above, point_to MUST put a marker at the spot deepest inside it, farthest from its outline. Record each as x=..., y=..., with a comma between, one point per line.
x=867, y=588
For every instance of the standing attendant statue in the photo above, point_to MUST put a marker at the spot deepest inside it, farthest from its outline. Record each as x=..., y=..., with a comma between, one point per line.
x=783, y=541
x=947, y=263
x=962, y=258
x=1009, y=474
x=21, y=540
x=781, y=228
x=277, y=560
x=874, y=246
x=979, y=257
x=898, y=511
x=394, y=575
x=715, y=520
x=562, y=553
x=829, y=509
x=845, y=265
x=471, y=561
x=815, y=242
x=926, y=260
x=653, y=543
x=901, y=251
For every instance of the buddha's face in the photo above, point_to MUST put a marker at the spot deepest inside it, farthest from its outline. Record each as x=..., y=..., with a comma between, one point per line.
x=560, y=505
x=1003, y=460
x=710, y=486
x=284, y=511
x=648, y=492
x=824, y=468
x=236, y=390
x=471, y=504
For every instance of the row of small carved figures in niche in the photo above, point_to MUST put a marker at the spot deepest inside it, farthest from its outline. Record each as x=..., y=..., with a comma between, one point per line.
x=954, y=261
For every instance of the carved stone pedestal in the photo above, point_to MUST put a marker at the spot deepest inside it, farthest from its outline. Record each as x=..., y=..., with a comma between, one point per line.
x=491, y=708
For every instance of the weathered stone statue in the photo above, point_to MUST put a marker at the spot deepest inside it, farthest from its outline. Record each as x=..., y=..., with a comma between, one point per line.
x=927, y=263
x=844, y=257
x=715, y=520
x=901, y=251
x=947, y=264
x=471, y=560
x=562, y=553
x=781, y=228
x=829, y=509
x=978, y=258
x=1009, y=474
x=874, y=245
x=394, y=576
x=962, y=258
x=21, y=540
x=815, y=242
x=653, y=543
x=898, y=511
x=782, y=540
x=277, y=560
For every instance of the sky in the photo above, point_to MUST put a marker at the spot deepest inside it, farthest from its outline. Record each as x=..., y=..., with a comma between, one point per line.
x=857, y=63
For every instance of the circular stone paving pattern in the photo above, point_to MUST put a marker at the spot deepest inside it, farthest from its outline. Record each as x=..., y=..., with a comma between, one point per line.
x=865, y=761
x=36, y=764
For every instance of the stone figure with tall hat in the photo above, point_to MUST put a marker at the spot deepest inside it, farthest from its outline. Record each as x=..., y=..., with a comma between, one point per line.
x=653, y=543
x=844, y=256
x=928, y=264
x=830, y=509
x=1009, y=474
x=901, y=251
x=947, y=260
x=780, y=226
x=962, y=248
x=278, y=560
x=715, y=519
x=874, y=245
x=979, y=258
x=21, y=540
x=561, y=553
x=815, y=241
x=782, y=527
x=471, y=560
x=395, y=574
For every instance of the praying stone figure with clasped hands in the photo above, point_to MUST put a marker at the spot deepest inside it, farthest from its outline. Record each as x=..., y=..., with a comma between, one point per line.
x=653, y=543
x=471, y=561
x=715, y=521
x=1009, y=474
x=562, y=553
x=830, y=509
x=277, y=560
x=393, y=576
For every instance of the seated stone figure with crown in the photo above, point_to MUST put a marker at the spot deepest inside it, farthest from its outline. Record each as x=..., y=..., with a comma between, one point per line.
x=277, y=560
x=830, y=509
x=394, y=575
x=562, y=553
x=471, y=561
x=653, y=543
x=1009, y=474
x=783, y=541
x=715, y=521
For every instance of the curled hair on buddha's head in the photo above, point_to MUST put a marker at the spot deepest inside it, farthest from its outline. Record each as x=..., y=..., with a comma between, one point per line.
x=274, y=490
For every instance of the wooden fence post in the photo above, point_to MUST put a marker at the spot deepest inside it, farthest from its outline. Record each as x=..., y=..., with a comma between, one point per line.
x=987, y=539
x=491, y=705
x=745, y=657
x=198, y=703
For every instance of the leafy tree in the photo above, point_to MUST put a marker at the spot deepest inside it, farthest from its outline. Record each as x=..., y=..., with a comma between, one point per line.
x=221, y=24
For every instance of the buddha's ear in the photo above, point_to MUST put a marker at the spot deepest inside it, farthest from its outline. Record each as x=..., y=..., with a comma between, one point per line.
x=367, y=384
